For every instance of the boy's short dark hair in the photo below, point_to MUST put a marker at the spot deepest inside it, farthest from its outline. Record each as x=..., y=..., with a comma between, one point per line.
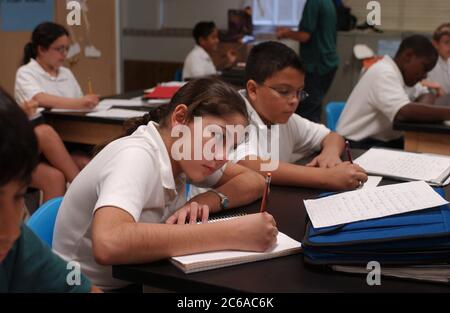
x=441, y=31
x=421, y=47
x=203, y=30
x=18, y=144
x=269, y=57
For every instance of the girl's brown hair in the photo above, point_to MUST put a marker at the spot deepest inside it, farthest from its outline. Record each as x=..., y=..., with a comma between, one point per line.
x=203, y=96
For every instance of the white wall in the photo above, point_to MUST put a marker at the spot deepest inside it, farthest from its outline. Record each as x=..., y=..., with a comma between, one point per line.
x=145, y=14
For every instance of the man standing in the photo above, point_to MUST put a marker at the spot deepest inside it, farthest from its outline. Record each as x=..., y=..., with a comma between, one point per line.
x=317, y=37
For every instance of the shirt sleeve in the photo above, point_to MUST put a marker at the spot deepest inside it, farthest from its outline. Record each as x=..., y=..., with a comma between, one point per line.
x=388, y=95
x=310, y=17
x=128, y=181
x=308, y=136
x=27, y=86
x=37, y=269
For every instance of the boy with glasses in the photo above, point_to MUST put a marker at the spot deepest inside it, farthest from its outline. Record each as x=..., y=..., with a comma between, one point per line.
x=275, y=80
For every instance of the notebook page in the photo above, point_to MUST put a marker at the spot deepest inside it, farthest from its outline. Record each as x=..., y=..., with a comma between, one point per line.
x=414, y=166
x=372, y=203
x=284, y=242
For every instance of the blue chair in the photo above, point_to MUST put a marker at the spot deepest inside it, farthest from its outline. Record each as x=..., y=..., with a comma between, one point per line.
x=42, y=222
x=178, y=77
x=333, y=111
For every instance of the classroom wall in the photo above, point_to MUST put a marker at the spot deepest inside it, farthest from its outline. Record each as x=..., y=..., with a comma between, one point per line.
x=103, y=71
x=406, y=15
x=181, y=14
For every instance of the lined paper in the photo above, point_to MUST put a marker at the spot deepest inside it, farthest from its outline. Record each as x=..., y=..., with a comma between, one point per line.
x=406, y=165
x=372, y=203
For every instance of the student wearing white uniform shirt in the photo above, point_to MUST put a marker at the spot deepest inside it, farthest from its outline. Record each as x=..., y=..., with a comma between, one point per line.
x=275, y=81
x=43, y=81
x=198, y=62
x=441, y=72
x=42, y=76
x=387, y=92
x=124, y=205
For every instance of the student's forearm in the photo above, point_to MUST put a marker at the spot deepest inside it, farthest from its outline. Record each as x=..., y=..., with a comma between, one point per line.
x=288, y=174
x=300, y=36
x=250, y=188
x=51, y=101
x=422, y=113
x=333, y=144
x=132, y=242
x=427, y=98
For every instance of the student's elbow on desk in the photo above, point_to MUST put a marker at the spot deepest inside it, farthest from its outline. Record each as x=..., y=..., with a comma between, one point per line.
x=257, y=184
x=406, y=113
x=107, y=242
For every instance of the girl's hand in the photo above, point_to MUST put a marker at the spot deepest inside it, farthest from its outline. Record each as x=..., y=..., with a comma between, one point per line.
x=189, y=213
x=255, y=232
x=89, y=101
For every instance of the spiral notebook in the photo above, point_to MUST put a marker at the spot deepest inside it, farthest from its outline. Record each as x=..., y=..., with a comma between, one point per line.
x=211, y=260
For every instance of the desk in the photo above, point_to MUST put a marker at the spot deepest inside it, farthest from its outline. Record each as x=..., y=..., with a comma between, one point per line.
x=425, y=137
x=79, y=128
x=286, y=274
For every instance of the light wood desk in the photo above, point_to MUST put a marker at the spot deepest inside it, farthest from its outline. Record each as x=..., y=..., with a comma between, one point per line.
x=426, y=137
x=79, y=128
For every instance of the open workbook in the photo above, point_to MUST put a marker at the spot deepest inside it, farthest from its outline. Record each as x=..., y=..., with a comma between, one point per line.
x=211, y=260
x=431, y=168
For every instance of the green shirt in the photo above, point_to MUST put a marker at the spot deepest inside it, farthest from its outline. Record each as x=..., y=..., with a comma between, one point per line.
x=31, y=266
x=319, y=20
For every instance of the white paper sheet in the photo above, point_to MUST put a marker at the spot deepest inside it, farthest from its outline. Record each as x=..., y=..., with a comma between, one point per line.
x=372, y=182
x=401, y=164
x=364, y=204
x=117, y=113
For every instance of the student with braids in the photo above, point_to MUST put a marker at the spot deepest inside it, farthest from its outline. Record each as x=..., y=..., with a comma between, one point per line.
x=128, y=206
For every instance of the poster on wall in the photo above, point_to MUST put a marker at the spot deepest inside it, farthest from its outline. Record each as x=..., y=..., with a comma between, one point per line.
x=24, y=15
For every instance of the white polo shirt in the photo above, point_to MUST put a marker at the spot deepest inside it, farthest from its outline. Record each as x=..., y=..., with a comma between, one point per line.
x=374, y=102
x=198, y=63
x=441, y=74
x=298, y=138
x=32, y=79
x=133, y=173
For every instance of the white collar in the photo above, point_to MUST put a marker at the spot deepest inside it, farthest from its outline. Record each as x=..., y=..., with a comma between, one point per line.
x=165, y=166
x=390, y=61
x=253, y=115
x=444, y=64
x=39, y=69
x=202, y=52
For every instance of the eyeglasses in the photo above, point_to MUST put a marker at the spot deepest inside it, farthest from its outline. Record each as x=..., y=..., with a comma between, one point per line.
x=301, y=95
x=61, y=49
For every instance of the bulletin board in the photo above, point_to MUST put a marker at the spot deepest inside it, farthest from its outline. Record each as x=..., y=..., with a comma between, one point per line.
x=102, y=35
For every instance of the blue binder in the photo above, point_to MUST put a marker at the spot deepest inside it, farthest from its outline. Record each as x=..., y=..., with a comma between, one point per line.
x=420, y=237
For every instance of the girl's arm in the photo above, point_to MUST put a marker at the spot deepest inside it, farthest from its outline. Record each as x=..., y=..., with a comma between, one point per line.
x=50, y=101
x=118, y=239
x=241, y=185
